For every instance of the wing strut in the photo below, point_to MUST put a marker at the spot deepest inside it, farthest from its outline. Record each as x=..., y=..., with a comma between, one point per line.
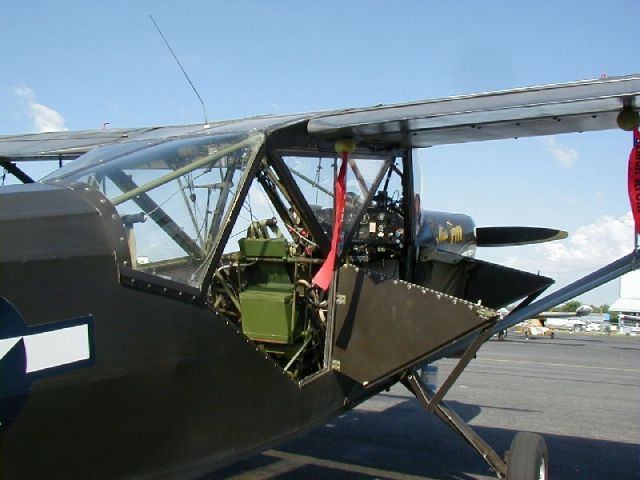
x=520, y=452
x=529, y=308
x=607, y=273
x=13, y=169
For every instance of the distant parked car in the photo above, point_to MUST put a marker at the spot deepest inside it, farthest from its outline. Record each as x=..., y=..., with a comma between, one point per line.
x=576, y=325
x=535, y=328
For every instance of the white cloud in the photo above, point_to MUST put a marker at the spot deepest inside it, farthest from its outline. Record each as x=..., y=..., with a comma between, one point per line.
x=593, y=245
x=567, y=157
x=587, y=248
x=44, y=119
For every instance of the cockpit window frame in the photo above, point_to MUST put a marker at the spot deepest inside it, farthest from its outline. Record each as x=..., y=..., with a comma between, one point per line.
x=388, y=157
x=251, y=141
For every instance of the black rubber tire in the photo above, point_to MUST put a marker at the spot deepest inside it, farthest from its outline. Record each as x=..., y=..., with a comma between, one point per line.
x=528, y=458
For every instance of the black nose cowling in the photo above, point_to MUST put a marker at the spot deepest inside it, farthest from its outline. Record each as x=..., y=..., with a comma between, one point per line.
x=447, y=233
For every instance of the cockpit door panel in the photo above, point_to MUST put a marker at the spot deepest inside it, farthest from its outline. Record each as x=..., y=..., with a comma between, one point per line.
x=385, y=325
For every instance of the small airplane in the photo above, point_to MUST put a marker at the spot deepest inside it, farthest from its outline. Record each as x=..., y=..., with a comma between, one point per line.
x=566, y=320
x=177, y=298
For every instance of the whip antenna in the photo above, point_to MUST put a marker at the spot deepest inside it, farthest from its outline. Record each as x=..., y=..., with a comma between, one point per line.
x=204, y=110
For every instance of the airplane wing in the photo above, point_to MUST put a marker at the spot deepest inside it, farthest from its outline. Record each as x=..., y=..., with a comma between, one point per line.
x=67, y=145
x=532, y=111
x=63, y=145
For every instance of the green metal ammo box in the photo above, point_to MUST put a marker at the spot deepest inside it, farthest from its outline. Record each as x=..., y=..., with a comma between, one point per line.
x=267, y=302
x=267, y=314
x=263, y=247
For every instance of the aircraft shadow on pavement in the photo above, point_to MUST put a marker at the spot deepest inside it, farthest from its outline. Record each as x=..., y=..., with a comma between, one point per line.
x=626, y=348
x=578, y=338
x=543, y=341
x=404, y=442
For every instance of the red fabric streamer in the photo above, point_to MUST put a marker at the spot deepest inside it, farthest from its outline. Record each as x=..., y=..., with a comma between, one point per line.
x=323, y=278
x=634, y=179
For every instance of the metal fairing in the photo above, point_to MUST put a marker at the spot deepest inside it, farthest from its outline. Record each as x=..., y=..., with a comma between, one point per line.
x=497, y=286
x=169, y=374
x=480, y=282
x=76, y=222
x=384, y=325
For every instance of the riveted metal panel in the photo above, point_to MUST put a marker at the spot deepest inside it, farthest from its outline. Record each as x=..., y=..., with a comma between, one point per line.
x=386, y=325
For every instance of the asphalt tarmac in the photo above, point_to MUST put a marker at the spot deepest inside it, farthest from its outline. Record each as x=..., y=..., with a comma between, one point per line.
x=580, y=391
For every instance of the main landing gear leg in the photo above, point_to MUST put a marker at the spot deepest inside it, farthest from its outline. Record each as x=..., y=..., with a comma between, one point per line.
x=527, y=458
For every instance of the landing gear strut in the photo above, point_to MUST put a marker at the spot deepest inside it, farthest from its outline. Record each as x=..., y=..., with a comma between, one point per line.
x=527, y=458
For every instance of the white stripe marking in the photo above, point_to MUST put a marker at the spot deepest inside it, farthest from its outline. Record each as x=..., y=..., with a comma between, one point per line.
x=52, y=349
x=563, y=365
x=7, y=344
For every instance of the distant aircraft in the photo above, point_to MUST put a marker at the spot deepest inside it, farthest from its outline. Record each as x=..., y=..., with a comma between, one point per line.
x=567, y=319
x=543, y=323
x=178, y=298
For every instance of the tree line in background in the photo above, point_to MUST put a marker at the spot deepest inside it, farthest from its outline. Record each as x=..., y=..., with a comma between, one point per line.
x=573, y=305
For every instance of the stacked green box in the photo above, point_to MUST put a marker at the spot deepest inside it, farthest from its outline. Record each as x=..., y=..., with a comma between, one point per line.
x=267, y=308
x=267, y=314
x=263, y=247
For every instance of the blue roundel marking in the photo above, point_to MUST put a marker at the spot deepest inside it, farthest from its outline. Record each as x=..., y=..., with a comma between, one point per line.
x=22, y=361
x=15, y=383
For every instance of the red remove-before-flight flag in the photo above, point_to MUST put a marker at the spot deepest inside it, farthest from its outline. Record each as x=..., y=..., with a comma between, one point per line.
x=323, y=278
x=634, y=179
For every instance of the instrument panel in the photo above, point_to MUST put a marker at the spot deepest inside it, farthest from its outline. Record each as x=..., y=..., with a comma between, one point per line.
x=380, y=226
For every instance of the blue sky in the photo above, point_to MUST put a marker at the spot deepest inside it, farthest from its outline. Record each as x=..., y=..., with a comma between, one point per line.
x=77, y=64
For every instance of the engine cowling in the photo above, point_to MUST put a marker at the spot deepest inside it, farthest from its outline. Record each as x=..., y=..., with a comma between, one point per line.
x=441, y=234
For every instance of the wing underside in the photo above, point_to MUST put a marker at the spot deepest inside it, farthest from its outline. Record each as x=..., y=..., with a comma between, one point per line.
x=545, y=110
x=56, y=145
x=532, y=111
x=67, y=145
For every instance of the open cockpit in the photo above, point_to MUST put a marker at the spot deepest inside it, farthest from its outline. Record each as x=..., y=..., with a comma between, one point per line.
x=248, y=224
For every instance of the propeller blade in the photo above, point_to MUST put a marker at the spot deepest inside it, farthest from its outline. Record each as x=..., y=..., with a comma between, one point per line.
x=511, y=236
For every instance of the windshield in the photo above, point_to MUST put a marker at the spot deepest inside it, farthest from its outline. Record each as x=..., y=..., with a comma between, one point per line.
x=172, y=196
x=315, y=176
